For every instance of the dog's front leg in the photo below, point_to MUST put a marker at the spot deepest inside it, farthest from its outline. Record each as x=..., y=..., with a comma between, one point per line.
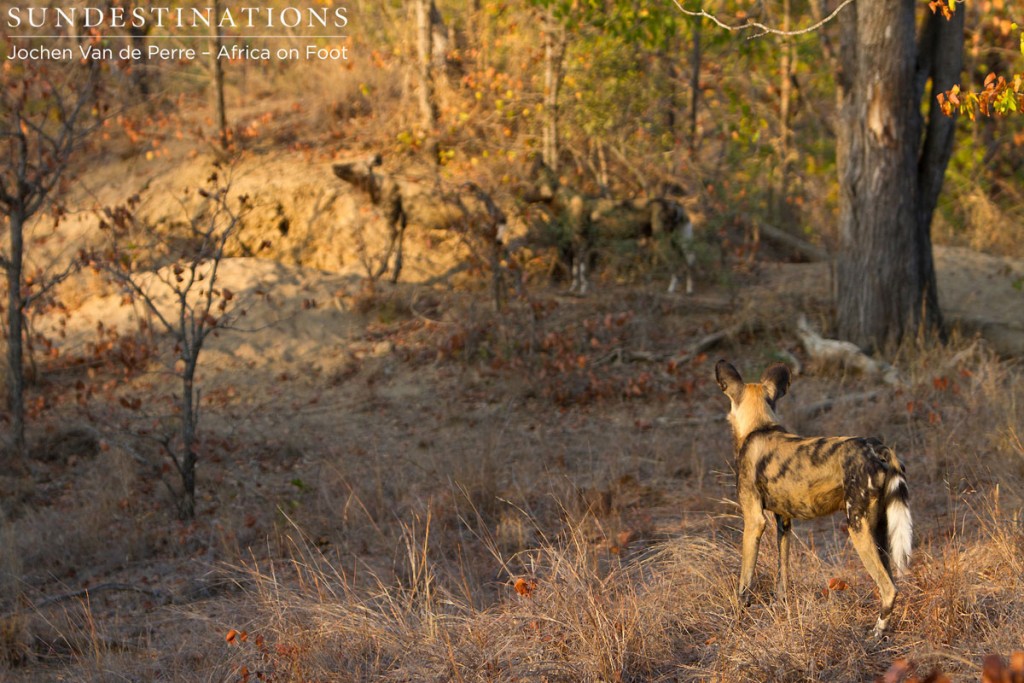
x=753, y=526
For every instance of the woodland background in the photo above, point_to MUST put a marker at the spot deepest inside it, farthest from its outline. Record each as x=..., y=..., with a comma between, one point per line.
x=405, y=481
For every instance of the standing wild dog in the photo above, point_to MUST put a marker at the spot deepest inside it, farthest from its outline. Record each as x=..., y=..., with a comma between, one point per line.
x=587, y=224
x=799, y=477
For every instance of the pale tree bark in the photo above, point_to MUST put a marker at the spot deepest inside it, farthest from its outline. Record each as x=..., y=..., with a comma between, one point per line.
x=218, y=79
x=554, y=52
x=440, y=44
x=424, y=49
x=428, y=50
x=481, y=31
x=787, y=60
x=889, y=180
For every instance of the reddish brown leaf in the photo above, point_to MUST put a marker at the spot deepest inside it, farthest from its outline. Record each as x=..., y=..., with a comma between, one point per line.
x=896, y=672
x=993, y=670
x=1017, y=666
x=525, y=588
x=934, y=677
x=837, y=584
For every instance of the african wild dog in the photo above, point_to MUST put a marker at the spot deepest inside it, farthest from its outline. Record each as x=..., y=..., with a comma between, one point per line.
x=799, y=477
x=469, y=211
x=590, y=223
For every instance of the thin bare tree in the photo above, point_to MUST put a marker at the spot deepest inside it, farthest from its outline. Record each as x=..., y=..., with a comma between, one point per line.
x=183, y=297
x=43, y=122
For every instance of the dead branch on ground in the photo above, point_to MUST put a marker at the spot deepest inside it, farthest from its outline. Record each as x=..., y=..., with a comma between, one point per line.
x=843, y=353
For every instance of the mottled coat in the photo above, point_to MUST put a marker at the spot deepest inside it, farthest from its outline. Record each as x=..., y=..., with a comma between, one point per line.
x=798, y=477
x=590, y=223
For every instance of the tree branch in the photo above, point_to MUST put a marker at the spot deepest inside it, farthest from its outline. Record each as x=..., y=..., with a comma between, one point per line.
x=763, y=28
x=844, y=353
x=49, y=284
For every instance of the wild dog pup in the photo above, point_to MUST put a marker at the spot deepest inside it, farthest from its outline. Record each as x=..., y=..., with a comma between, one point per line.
x=798, y=477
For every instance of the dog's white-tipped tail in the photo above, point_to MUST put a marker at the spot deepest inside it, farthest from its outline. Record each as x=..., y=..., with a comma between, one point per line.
x=901, y=524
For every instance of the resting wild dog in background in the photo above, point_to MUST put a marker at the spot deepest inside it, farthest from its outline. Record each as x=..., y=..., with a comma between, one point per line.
x=799, y=477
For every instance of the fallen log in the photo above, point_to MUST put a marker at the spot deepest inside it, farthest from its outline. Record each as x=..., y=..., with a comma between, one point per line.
x=806, y=249
x=844, y=354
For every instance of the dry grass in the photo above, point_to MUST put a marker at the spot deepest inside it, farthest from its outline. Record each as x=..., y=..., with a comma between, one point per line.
x=372, y=532
x=573, y=613
x=567, y=597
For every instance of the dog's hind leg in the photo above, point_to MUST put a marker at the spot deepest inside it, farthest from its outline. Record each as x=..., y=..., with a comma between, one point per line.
x=784, y=532
x=579, y=272
x=864, y=542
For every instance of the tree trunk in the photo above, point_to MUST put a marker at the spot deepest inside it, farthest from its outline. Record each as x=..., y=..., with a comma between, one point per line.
x=695, y=59
x=15, y=324
x=140, y=64
x=440, y=43
x=886, y=287
x=669, y=60
x=481, y=31
x=218, y=78
x=187, y=504
x=424, y=41
x=786, y=63
x=554, y=52
x=940, y=61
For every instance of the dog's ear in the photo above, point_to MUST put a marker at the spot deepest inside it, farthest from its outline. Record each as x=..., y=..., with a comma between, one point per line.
x=776, y=381
x=729, y=380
